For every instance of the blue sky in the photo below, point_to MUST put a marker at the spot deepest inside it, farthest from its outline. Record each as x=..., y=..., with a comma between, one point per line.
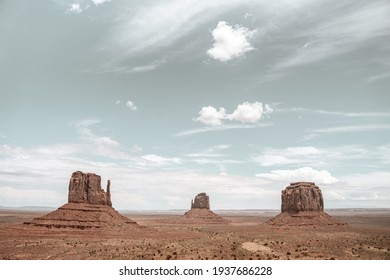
x=171, y=98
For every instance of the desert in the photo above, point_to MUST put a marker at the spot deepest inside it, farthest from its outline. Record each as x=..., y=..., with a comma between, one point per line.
x=88, y=227
x=366, y=236
x=161, y=236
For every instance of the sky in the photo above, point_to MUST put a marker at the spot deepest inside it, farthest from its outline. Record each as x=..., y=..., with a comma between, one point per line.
x=171, y=98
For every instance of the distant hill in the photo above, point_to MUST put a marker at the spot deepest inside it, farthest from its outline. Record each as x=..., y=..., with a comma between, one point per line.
x=29, y=208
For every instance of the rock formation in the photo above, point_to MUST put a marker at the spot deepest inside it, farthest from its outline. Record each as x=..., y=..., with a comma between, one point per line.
x=302, y=196
x=88, y=207
x=201, y=201
x=302, y=205
x=200, y=212
x=86, y=187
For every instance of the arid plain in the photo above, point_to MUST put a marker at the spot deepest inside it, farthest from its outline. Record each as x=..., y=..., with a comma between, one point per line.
x=166, y=235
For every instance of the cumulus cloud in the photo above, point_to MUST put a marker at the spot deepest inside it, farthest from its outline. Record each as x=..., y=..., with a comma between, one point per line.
x=131, y=105
x=245, y=113
x=249, y=112
x=75, y=8
x=300, y=174
x=211, y=116
x=230, y=41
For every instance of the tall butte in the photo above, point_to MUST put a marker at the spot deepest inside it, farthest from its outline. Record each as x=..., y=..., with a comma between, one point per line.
x=200, y=211
x=302, y=205
x=88, y=207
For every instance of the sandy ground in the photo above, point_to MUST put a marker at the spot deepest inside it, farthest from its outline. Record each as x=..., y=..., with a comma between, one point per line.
x=366, y=236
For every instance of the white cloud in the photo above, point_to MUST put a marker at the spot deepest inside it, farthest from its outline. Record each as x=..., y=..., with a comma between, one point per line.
x=148, y=67
x=300, y=174
x=98, y=145
x=131, y=105
x=310, y=43
x=335, y=113
x=39, y=176
x=290, y=155
x=352, y=128
x=378, y=77
x=213, y=152
x=75, y=8
x=245, y=113
x=249, y=112
x=338, y=33
x=118, y=102
x=100, y=2
x=153, y=26
x=250, y=16
x=158, y=160
x=347, y=129
x=345, y=156
x=230, y=41
x=211, y=116
x=220, y=128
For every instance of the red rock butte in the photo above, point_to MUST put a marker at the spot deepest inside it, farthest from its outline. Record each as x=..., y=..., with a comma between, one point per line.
x=200, y=212
x=86, y=188
x=302, y=205
x=88, y=207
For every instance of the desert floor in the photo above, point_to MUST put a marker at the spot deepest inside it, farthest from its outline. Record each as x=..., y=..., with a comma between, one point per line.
x=162, y=236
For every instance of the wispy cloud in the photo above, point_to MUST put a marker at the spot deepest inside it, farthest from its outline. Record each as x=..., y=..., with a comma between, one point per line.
x=336, y=113
x=347, y=129
x=159, y=160
x=341, y=33
x=148, y=27
x=328, y=32
x=214, y=151
x=220, y=128
x=329, y=156
x=378, y=77
x=290, y=155
x=148, y=67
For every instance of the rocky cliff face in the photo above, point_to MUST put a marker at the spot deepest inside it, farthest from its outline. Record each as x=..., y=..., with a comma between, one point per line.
x=88, y=207
x=86, y=188
x=303, y=205
x=201, y=201
x=302, y=196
